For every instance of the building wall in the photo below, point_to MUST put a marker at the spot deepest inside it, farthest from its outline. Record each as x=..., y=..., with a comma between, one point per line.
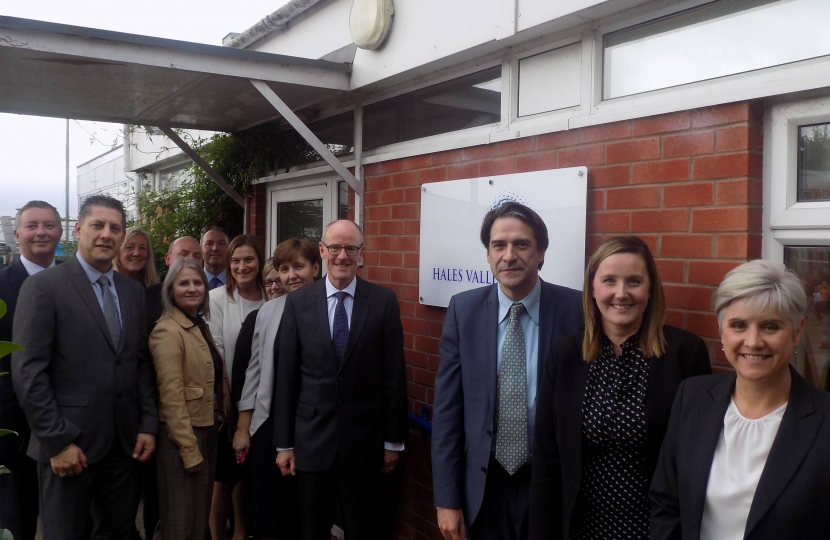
x=688, y=183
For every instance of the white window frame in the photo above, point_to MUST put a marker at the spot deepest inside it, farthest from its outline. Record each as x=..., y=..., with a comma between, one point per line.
x=787, y=222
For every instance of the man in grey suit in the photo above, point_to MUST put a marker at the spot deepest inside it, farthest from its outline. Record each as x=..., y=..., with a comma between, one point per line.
x=494, y=341
x=37, y=229
x=85, y=382
x=340, y=419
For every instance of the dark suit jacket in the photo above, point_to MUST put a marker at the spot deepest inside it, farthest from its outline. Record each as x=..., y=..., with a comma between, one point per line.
x=465, y=389
x=11, y=416
x=793, y=494
x=557, y=455
x=72, y=383
x=329, y=410
x=152, y=305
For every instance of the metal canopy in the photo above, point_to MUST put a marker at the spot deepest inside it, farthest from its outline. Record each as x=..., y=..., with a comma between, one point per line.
x=72, y=72
x=66, y=71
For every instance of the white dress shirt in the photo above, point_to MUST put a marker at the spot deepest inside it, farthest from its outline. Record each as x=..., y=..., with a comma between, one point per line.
x=32, y=268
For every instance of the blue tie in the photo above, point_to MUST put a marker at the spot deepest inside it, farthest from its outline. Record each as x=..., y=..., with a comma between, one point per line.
x=214, y=282
x=340, y=327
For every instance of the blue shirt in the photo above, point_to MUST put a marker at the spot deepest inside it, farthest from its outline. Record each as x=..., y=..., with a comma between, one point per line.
x=93, y=276
x=530, y=326
x=223, y=276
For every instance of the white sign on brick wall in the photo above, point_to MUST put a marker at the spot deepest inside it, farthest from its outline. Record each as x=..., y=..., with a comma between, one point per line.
x=452, y=258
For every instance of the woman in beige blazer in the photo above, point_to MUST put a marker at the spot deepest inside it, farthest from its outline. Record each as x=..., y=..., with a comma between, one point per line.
x=192, y=403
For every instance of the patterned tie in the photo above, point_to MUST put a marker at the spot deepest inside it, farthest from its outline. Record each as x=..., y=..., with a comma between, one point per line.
x=110, y=311
x=340, y=328
x=214, y=282
x=511, y=430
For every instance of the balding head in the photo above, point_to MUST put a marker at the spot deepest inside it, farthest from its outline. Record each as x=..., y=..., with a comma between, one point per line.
x=187, y=247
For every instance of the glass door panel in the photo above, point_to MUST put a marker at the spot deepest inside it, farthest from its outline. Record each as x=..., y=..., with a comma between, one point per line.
x=300, y=219
x=812, y=265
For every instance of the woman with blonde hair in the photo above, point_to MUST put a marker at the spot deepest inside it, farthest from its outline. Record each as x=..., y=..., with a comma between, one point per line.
x=604, y=399
x=190, y=379
x=135, y=258
x=745, y=455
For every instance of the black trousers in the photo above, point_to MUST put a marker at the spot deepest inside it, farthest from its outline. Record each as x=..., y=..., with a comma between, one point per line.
x=18, y=497
x=357, y=493
x=108, y=489
x=504, y=510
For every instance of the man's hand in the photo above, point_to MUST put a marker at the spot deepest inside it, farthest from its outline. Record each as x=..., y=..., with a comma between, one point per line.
x=285, y=461
x=390, y=461
x=451, y=523
x=68, y=462
x=145, y=445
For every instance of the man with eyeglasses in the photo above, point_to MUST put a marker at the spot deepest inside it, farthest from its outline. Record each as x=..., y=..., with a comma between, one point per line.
x=340, y=418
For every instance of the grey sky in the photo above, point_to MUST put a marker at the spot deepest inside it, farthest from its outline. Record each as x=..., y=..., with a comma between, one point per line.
x=32, y=149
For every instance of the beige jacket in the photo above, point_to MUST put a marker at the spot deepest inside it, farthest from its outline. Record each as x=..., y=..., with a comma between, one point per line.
x=185, y=378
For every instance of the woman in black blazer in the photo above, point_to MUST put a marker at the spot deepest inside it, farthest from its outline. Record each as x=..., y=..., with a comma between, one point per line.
x=604, y=399
x=746, y=454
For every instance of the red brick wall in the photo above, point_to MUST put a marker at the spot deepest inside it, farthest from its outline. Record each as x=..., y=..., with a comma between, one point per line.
x=688, y=183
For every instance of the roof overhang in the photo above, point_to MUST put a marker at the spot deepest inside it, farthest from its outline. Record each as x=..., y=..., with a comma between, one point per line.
x=65, y=71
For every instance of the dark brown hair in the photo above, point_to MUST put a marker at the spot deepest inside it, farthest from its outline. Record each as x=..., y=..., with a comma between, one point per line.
x=239, y=241
x=512, y=209
x=293, y=248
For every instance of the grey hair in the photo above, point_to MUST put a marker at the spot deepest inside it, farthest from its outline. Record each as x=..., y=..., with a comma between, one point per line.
x=36, y=204
x=167, y=289
x=763, y=284
x=356, y=226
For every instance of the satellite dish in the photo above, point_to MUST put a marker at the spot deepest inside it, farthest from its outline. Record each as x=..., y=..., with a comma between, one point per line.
x=369, y=22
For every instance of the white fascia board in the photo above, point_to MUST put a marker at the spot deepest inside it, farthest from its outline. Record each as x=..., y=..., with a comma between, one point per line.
x=270, y=70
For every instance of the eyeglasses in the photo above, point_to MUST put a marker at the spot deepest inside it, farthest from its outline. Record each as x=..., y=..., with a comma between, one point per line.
x=351, y=251
x=269, y=283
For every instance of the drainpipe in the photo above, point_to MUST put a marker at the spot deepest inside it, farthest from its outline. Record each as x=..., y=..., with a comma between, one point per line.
x=275, y=21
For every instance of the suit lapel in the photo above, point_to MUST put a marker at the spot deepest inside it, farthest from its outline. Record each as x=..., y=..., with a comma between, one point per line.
x=17, y=275
x=321, y=318
x=360, y=310
x=712, y=409
x=546, y=309
x=122, y=292
x=795, y=437
x=491, y=316
x=81, y=283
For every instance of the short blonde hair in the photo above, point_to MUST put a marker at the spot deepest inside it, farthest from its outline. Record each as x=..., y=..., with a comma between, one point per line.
x=267, y=267
x=763, y=284
x=148, y=275
x=167, y=302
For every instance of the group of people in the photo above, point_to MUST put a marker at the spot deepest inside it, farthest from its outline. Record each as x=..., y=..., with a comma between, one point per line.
x=129, y=387
x=584, y=416
x=256, y=385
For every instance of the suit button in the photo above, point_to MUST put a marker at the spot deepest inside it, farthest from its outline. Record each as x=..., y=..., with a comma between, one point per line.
x=484, y=469
x=339, y=403
x=118, y=362
x=340, y=378
x=489, y=433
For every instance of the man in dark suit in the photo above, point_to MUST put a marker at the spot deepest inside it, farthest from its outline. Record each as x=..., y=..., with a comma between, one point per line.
x=37, y=229
x=85, y=382
x=340, y=417
x=215, y=253
x=494, y=341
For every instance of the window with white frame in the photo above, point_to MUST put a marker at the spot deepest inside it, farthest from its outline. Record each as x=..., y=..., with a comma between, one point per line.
x=714, y=40
x=797, y=216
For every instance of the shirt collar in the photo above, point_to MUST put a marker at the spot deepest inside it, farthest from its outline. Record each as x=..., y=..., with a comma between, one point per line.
x=34, y=268
x=223, y=276
x=531, y=302
x=350, y=288
x=91, y=273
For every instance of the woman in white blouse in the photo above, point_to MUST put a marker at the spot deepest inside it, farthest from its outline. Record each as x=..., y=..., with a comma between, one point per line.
x=229, y=305
x=747, y=454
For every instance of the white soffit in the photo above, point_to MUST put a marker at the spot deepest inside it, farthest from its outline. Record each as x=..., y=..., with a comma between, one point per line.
x=73, y=72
